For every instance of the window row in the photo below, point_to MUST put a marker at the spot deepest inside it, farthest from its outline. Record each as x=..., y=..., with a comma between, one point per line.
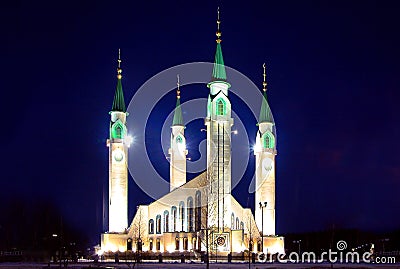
x=236, y=224
x=179, y=219
x=178, y=245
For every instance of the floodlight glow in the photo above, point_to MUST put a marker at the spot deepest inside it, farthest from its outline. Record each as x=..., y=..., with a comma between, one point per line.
x=170, y=248
x=128, y=140
x=113, y=248
x=256, y=148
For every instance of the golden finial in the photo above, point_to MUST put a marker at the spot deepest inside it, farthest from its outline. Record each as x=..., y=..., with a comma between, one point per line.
x=264, y=82
x=119, y=70
x=218, y=34
x=178, y=91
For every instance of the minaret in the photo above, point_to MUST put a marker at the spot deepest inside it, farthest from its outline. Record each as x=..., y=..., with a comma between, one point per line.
x=118, y=161
x=265, y=151
x=177, y=151
x=219, y=122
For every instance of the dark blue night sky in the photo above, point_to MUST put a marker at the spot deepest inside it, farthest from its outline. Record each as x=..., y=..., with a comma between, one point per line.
x=334, y=89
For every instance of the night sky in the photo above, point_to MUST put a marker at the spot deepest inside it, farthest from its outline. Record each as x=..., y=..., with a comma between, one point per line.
x=334, y=89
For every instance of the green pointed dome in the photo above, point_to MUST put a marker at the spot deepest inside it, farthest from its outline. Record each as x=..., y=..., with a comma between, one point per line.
x=178, y=119
x=219, y=72
x=265, y=112
x=119, y=102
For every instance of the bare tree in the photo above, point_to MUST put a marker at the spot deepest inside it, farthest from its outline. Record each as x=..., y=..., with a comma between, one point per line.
x=208, y=216
x=251, y=234
x=137, y=233
x=139, y=228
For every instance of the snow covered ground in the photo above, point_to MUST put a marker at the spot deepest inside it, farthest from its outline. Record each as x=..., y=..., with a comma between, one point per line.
x=195, y=266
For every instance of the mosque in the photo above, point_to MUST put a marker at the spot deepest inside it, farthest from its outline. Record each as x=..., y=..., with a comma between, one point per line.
x=199, y=215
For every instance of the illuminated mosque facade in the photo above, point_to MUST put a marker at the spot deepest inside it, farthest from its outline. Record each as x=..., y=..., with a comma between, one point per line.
x=199, y=215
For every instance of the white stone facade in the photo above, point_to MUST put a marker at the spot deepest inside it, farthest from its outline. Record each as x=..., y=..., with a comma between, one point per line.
x=118, y=176
x=265, y=152
x=202, y=214
x=199, y=215
x=177, y=153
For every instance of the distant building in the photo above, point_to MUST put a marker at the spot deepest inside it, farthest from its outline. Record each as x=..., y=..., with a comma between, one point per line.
x=200, y=214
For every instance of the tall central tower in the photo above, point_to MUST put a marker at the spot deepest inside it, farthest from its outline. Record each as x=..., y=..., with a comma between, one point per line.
x=219, y=123
x=118, y=161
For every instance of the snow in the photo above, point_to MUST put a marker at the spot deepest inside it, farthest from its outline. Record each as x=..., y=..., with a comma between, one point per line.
x=173, y=265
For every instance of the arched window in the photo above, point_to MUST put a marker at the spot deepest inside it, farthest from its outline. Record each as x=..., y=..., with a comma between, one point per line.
x=158, y=224
x=268, y=140
x=179, y=139
x=173, y=216
x=129, y=244
x=182, y=215
x=221, y=107
x=194, y=243
x=139, y=244
x=151, y=226
x=198, y=210
x=158, y=244
x=185, y=243
x=166, y=221
x=232, y=221
x=237, y=223
x=190, y=219
x=118, y=130
x=151, y=244
x=177, y=243
x=241, y=225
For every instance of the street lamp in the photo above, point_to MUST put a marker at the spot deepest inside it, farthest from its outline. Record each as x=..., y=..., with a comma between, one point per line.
x=262, y=206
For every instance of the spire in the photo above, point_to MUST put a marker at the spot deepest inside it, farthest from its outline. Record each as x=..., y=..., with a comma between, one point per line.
x=219, y=73
x=218, y=34
x=119, y=103
x=178, y=120
x=265, y=112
